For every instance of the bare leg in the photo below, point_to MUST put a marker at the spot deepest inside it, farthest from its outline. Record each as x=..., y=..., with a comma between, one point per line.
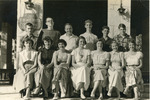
x=118, y=93
x=82, y=91
x=126, y=90
x=109, y=91
x=96, y=83
x=100, y=92
x=62, y=88
x=56, y=92
x=135, y=91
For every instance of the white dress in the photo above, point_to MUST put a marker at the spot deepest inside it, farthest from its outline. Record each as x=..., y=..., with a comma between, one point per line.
x=133, y=76
x=115, y=76
x=82, y=73
x=99, y=61
x=21, y=80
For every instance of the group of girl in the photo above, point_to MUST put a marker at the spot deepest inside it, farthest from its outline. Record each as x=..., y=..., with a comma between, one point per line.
x=57, y=70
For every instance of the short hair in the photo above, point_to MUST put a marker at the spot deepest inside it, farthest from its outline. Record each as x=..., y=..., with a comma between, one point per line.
x=68, y=24
x=122, y=25
x=48, y=39
x=80, y=37
x=50, y=18
x=29, y=24
x=113, y=41
x=100, y=40
x=62, y=41
x=132, y=41
x=105, y=27
x=88, y=21
x=28, y=40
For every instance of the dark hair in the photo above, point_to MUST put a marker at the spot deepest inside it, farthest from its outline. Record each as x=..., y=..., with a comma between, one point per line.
x=80, y=37
x=88, y=21
x=29, y=24
x=48, y=39
x=100, y=40
x=62, y=41
x=132, y=41
x=68, y=24
x=28, y=40
x=122, y=25
x=105, y=27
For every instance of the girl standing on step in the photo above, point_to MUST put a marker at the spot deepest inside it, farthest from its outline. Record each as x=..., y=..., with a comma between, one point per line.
x=27, y=67
x=100, y=61
x=80, y=70
x=61, y=70
x=133, y=76
x=115, y=70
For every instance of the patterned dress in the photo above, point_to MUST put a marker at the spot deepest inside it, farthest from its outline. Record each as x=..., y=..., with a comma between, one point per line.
x=61, y=73
x=21, y=80
x=133, y=76
x=82, y=73
x=99, y=61
x=115, y=73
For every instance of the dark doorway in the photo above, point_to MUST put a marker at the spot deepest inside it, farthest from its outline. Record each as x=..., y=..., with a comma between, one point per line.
x=76, y=12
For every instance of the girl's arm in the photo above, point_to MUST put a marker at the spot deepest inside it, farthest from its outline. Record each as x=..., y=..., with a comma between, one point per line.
x=35, y=62
x=52, y=63
x=55, y=60
x=74, y=62
x=39, y=61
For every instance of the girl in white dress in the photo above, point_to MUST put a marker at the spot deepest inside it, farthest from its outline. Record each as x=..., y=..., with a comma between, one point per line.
x=27, y=67
x=100, y=61
x=80, y=70
x=115, y=70
x=133, y=76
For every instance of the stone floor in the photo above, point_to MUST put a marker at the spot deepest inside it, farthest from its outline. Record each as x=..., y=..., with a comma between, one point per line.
x=8, y=93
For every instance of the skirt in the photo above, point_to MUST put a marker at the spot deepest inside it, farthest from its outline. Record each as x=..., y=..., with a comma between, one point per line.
x=99, y=75
x=115, y=79
x=133, y=76
x=23, y=81
x=80, y=74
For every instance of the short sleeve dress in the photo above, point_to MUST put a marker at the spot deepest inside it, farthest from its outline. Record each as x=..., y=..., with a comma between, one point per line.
x=115, y=75
x=99, y=73
x=133, y=76
x=82, y=73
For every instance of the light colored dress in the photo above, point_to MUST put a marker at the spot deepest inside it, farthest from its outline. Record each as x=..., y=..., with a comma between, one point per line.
x=99, y=61
x=61, y=73
x=133, y=76
x=91, y=40
x=115, y=76
x=82, y=73
x=21, y=80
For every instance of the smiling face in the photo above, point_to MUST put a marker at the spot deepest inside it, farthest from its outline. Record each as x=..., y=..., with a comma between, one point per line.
x=131, y=46
x=47, y=44
x=99, y=44
x=68, y=29
x=49, y=22
x=61, y=45
x=88, y=26
x=114, y=46
x=81, y=42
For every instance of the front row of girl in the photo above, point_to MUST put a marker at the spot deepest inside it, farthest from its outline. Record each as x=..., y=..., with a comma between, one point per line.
x=84, y=64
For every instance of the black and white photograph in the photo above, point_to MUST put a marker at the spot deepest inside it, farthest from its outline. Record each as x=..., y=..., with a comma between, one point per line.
x=74, y=50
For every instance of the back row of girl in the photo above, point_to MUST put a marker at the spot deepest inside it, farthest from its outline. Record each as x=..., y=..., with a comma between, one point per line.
x=84, y=63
